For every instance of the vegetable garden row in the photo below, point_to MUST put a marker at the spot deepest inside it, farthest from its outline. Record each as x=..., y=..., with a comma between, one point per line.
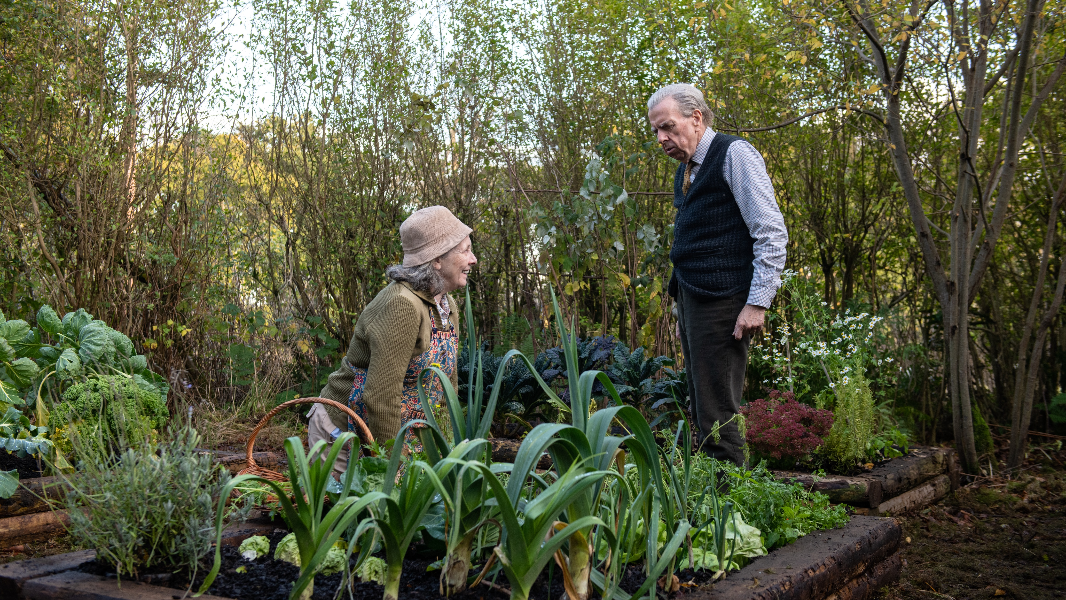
x=627, y=507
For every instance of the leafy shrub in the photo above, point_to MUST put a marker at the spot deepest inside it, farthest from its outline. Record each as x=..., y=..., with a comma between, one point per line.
x=854, y=425
x=779, y=427
x=783, y=512
x=152, y=506
x=111, y=406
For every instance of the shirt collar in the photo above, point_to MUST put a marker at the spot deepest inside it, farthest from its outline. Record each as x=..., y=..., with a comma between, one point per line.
x=703, y=146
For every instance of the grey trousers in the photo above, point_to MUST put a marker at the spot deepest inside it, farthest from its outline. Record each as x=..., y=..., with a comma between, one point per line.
x=715, y=363
x=319, y=427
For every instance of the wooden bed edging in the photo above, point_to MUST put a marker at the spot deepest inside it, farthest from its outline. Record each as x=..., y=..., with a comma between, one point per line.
x=884, y=482
x=74, y=585
x=847, y=563
x=14, y=575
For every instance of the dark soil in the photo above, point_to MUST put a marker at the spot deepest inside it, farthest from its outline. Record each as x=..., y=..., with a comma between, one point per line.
x=28, y=467
x=997, y=537
x=269, y=579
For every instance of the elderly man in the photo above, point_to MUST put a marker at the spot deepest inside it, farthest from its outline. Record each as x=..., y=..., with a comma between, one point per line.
x=728, y=254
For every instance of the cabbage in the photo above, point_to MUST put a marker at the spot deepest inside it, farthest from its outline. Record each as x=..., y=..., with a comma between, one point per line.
x=373, y=569
x=335, y=560
x=287, y=550
x=254, y=547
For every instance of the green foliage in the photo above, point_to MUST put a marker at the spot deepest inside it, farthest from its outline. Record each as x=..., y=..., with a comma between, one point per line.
x=287, y=550
x=315, y=533
x=372, y=569
x=148, y=506
x=113, y=407
x=9, y=483
x=1057, y=409
x=782, y=512
x=634, y=375
x=19, y=436
x=81, y=360
x=853, y=425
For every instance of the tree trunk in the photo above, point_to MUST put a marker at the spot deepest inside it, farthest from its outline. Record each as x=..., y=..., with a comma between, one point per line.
x=1025, y=378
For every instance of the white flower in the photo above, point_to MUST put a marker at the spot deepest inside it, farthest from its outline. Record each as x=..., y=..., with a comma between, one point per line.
x=832, y=385
x=845, y=382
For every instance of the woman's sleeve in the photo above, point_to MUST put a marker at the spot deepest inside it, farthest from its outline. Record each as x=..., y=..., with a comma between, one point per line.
x=392, y=335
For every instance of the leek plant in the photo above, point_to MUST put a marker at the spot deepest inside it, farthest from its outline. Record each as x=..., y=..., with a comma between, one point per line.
x=722, y=513
x=399, y=512
x=591, y=443
x=464, y=490
x=315, y=532
x=529, y=541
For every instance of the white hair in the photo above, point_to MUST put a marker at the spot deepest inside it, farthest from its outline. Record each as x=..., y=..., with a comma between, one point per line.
x=688, y=97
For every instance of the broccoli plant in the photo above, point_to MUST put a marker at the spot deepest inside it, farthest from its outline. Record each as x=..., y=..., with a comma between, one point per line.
x=113, y=407
x=46, y=359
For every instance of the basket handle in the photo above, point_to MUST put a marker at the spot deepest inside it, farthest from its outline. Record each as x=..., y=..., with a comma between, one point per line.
x=368, y=440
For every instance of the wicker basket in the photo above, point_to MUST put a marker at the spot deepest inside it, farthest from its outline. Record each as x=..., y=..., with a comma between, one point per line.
x=254, y=469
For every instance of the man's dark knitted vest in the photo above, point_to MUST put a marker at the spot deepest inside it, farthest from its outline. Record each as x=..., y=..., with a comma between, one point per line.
x=712, y=251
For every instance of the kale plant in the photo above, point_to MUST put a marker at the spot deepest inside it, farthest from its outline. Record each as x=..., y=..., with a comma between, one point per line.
x=633, y=374
x=593, y=354
x=520, y=395
x=671, y=387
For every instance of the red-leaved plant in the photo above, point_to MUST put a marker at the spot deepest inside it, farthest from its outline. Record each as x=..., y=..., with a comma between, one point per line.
x=780, y=428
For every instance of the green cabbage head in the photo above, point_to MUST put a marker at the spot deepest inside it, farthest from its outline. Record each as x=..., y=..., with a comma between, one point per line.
x=254, y=547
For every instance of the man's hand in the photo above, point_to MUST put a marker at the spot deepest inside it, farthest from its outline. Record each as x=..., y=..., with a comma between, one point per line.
x=751, y=320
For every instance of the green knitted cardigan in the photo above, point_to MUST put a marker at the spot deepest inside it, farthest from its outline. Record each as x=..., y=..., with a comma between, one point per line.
x=393, y=329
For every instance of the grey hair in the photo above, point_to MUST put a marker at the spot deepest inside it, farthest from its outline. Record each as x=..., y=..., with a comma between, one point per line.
x=688, y=97
x=423, y=278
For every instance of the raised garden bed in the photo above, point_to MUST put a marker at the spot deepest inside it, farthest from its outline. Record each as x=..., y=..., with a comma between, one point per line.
x=922, y=477
x=852, y=562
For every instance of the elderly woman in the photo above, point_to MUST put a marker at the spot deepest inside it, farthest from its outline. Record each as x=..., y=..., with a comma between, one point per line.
x=407, y=327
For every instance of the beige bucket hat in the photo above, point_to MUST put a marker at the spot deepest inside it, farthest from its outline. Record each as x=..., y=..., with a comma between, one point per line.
x=429, y=233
